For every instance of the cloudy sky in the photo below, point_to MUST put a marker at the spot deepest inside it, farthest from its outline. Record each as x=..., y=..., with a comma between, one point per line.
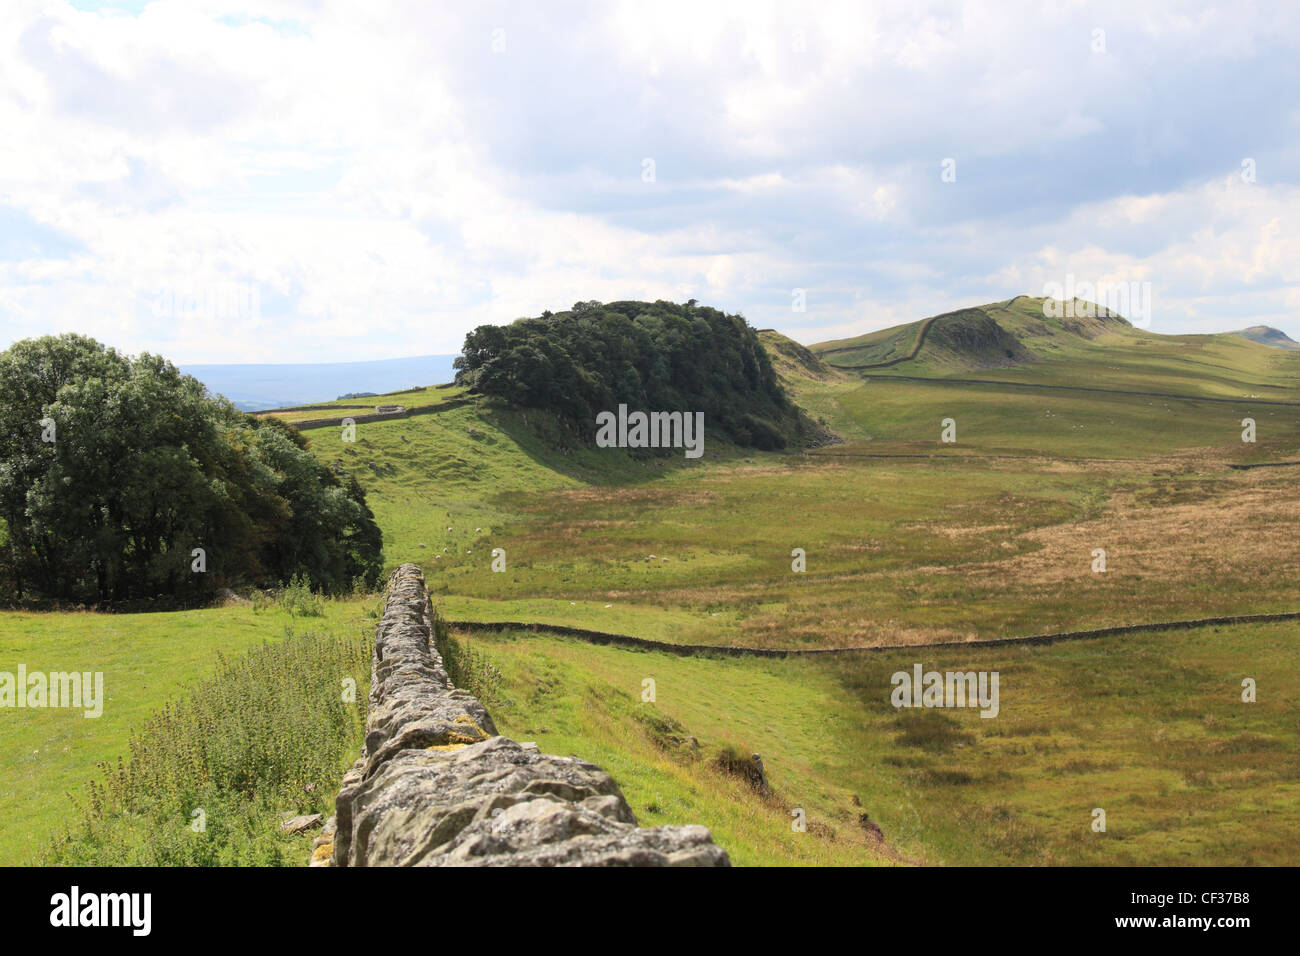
x=311, y=180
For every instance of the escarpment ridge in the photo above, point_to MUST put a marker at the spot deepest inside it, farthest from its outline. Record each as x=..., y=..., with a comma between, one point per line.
x=436, y=785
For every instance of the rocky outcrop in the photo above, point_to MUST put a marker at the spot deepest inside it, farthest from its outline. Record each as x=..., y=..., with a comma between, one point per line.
x=970, y=338
x=436, y=784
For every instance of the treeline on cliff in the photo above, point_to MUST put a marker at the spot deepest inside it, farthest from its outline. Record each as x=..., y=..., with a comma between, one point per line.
x=651, y=356
x=122, y=479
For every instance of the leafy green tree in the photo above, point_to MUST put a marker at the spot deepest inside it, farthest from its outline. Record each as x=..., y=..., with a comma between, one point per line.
x=121, y=478
x=649, y=355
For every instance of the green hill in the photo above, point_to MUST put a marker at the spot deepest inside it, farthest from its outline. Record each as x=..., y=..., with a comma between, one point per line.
x=1016, y=341
x=1266, y=335
x=795, y=362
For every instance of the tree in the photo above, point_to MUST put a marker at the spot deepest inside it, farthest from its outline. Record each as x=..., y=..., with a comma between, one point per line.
x=122, y=478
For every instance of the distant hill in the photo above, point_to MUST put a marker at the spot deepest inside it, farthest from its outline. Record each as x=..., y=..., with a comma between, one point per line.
x=1000, y=334
x=1267, y=335
x=1035, y=341
x=256, y=387
x=793, y=361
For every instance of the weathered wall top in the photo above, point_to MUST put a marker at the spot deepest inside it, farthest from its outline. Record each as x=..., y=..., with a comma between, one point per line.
x=437, y=786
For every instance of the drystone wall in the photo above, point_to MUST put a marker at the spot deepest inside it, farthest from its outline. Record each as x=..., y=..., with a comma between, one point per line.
x=402, y=412
x=436, y=784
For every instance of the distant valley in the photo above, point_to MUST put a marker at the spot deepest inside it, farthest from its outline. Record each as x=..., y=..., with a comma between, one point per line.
x=258, y=387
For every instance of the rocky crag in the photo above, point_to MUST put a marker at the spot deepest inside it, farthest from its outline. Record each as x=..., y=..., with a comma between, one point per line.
x=436, y=784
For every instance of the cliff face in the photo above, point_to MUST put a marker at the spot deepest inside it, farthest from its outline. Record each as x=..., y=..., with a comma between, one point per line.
x=437, y=786
x=972, y=339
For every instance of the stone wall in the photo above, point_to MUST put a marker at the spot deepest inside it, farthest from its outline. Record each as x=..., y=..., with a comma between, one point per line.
x=398, y=411
x=436, y=784
x=726, y=650
x=402, y=412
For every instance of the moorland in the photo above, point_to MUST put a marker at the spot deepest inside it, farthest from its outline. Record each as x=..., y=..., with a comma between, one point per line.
x=1071, y=435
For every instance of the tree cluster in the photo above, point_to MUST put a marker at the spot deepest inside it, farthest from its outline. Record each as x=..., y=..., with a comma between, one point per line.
x=121, y=479
x=657, y=356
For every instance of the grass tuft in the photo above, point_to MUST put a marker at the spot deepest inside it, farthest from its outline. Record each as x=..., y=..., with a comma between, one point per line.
x=210, y=777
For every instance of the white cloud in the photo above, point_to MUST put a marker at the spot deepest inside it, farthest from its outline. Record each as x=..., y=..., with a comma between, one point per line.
x=386, y=181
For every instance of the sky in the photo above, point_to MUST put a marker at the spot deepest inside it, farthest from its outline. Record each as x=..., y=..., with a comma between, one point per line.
x=311, y=181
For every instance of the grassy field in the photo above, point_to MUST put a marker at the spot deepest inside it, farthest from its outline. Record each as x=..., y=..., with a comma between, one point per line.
x=146, y=660
x=1149, y=728
x=425, y=397
x=899, y=550
x=999, y=420
x=908, y=540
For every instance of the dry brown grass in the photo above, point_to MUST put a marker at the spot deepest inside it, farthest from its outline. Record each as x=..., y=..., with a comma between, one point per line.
x=918, y=553
x=1241, y=528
